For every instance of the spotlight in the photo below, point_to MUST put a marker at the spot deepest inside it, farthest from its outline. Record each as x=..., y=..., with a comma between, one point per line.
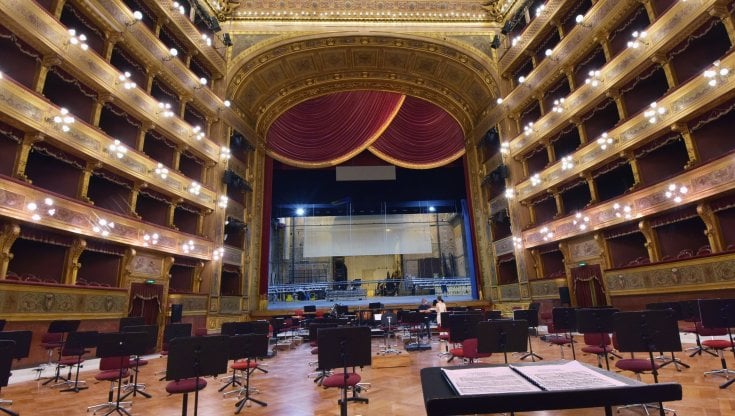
x=227, y=40
x=495, y=44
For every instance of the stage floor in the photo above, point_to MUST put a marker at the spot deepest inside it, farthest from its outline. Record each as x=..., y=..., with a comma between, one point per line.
x=386, y=300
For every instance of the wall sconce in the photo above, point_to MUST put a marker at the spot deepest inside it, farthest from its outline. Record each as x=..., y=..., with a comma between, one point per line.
x=222, y=201
x=510, y=193
x=548, y=54
x=535, y=179
x=580, y=21
x=137, y=17
x=150, y=239
x=103, y=227
x=654, y=112
x=716, y=74
x=499, y=101
x=227, y=103
x=178, y=7
x=197, y=133
x=623, y=211
x=48, y=205
x=218, y=253
x=604, y=141
x=225, y=154
x=546, y=233
x=195, y=188
x=202, y=83
x=517, y=242
x=540, y=10
x=188, y=246
x=117, y=149
x=63, y=120
x=567, y=163
x=521, y=79
x=124, y=79
x=639, y=38
x=207, y=39
x=676, y=192
x=581, y=221
x=161, y=171
x=172, y=53
x=515, y=40
x=164, y=110
x=505, y=148
x=528, y=129
x=558, y=106
x=75, y=39
x=593, y=78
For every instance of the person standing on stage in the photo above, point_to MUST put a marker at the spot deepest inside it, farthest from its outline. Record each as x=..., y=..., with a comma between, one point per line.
x=439, y=308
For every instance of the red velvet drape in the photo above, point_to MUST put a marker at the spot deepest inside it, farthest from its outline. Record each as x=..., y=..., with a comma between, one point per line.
x=146, y=301
x=588, y=289
x=422, y=135
x=328, y=130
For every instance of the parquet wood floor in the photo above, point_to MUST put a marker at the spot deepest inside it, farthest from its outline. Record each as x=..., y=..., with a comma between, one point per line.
x=395, y=391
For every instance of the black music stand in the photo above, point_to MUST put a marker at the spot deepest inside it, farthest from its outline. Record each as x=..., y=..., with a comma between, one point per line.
x=676, y=307
x=495, y=315
x=196, y=357
x=461, y=327
x=231, y=329
x=130, y=321
x=565, y=320
x=2, y=324
x=7, y=347
x=79, y=342
x=345, y=347
x=151, y=337
x=388, y=320
x=690, y=313
x=647, y=331
x=531, y=317
x=502, y=335
x=62, y=327
x=720, y=313
x=248, y=346
x=597, y=321
x=418, y=321
x=314, y=328
x=262, y=327
x=13, y=345
x=123, y=345
x=236, y=328
x=171, y=331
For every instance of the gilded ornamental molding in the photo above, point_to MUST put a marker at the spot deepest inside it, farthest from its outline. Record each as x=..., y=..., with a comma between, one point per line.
x=30, y=302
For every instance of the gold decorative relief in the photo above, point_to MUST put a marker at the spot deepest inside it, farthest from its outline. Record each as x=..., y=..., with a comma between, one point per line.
x=146, y=265
x=46, y=302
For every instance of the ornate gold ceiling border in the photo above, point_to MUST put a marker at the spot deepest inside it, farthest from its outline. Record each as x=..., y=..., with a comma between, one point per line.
x=267, y=80
x=334, y=162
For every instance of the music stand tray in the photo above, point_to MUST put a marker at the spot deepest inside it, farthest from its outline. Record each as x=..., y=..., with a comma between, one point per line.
x=344, y=347
x=530, y=316
x=236, y=328
x=13, y=345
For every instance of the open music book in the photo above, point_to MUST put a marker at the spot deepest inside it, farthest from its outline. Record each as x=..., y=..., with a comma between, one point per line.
x=571, y=375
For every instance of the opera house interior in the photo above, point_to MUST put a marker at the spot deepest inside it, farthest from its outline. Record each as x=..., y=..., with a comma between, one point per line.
x=211, y=162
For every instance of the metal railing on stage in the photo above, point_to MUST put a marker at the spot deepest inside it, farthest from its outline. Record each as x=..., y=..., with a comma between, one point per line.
x=359, y=288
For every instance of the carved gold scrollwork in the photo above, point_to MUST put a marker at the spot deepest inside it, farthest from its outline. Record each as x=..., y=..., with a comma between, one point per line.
x=8, y=235
x=654, y=251
x=712, y=224
x=72, y=261
x=198, y=269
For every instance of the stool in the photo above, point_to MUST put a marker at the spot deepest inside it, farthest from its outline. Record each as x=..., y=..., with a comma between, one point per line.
x=186, y=386
x=720, y=345
x=639, y=366
x=353, y=383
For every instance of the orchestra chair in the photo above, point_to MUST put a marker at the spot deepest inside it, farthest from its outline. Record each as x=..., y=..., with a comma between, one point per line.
x=596, y=325
x=719, y=314
x=13, y=345
x=345, y=347
x=690, y=315
x=60, y=328
x=72, y=356
x=563, y=323
x=443, y=330
x=461, y=327
x=469, y=353
x=649, y=331
x=250, y=346
x=112, y=369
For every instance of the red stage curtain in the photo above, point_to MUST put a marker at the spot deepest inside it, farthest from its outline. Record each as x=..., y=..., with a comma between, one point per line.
x=422, y=136
x=328, y=130
x=146, y=301
x=588, y=287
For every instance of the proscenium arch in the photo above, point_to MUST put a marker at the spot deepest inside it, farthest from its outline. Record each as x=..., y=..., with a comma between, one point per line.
x=267, y=81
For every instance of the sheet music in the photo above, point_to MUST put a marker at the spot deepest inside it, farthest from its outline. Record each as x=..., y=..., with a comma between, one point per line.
x=487, y=380
x=568, y=376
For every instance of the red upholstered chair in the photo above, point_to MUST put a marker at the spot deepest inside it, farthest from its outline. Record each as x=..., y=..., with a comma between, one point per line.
x=469, y=351
x=685, y=254
x=50, y=342
x=701, y=331
x=598, y=344
x=185, y=386
x=114, y=370
x=12, y=276
x=704, y=250
x=638, y=366
x=200, y=332
x=352, y=383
